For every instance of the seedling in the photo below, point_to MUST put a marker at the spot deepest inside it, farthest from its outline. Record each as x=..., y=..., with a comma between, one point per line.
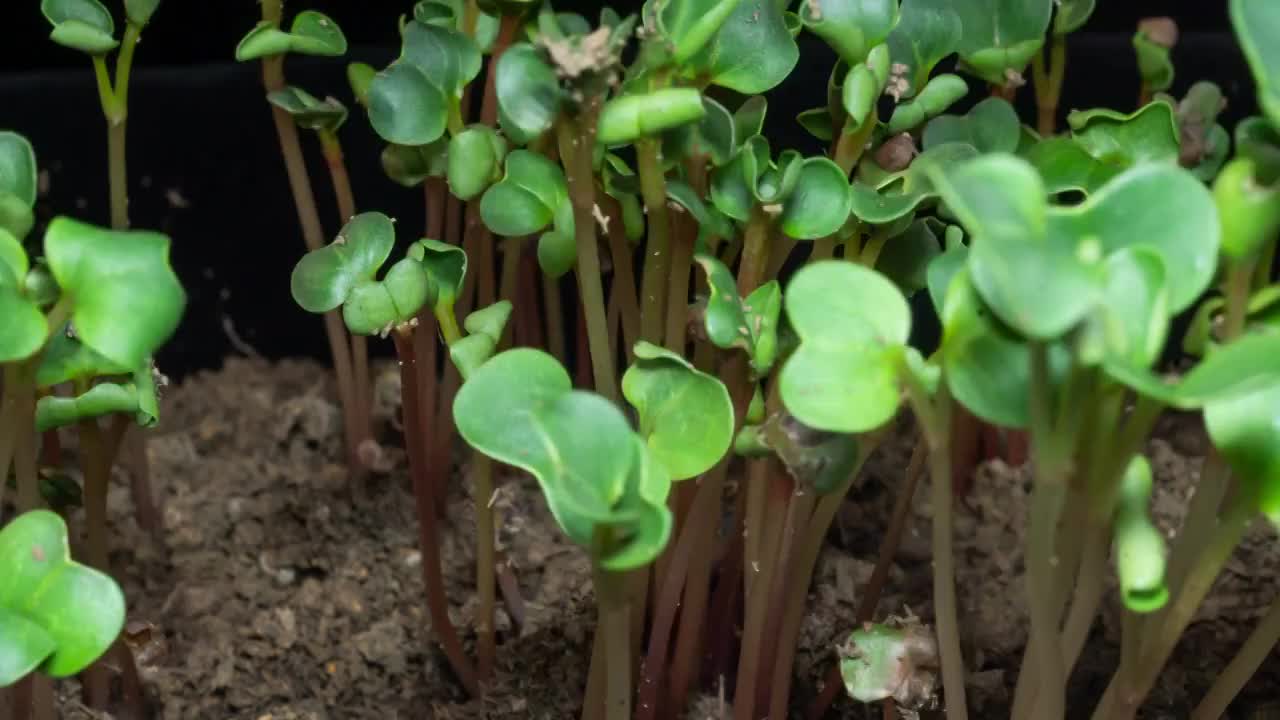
x=1054, y=261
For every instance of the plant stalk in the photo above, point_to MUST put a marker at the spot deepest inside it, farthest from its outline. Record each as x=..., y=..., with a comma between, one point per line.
x=657, y=252
x=425, y=500
x=615, y=628
x=751, y=654
x=483, y=489
x=1048, y=83
x=577, y=137
x=624, y=280
x=851, y=145
x=1242, y=667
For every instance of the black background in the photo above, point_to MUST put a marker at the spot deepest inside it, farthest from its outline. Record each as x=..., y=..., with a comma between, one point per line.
x=205, y=167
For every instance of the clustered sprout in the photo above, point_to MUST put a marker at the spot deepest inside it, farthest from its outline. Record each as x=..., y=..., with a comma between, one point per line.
x=757, y=302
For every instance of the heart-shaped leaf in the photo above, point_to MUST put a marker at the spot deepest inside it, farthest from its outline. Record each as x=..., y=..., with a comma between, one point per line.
x=126, y=298
x=688, y=25
x=1001, y=36
x=1149, y=135
x=139, y=12
x=819, y=204
x=708, y=218
x=445, y=266
x=748, y=119
x=66, y=359
x=991, y=126
x=752, y=51
x=852, y=324
x=685, y=416
x=84, y=25
x=24, y=330
x=1134, y=321
x=323, y=279
x=55, y=614
x=474, y=159
x=1246, y=430
x=1072, y=15
x=630, y=117
x=526, y=200
x=938, y=95
x=1257, y=25
x=448, y=58
x=861, y=92
x=1257, y=139
x=528, y=93
x=375, y=305
x=405, y=107
x=734, y=322
x=312, y=33
x=817, y=122
x=850, y=27
x=601, y=485
x=927, y=31
x=733, y=185
x=308, y=111
x=1140, y=547
x=484, y=331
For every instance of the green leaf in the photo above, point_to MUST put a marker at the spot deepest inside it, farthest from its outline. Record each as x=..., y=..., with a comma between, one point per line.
x=446, y=267
x=312, y=33
x=713, y=135
x=819, y=204
x=631, y=117
x=942, y=270
x=307, y=110
x=906, y=258
x=927, y=31
x=601, y=485
x=376, y=305
x=820, y=462
x=902, y=193
x=732, y=322
x=708, y=218
x=1072, y=15
x=84, y=25
x=938, y=95
x=126, y=299
x=850, y=27
x=861, y=93
x=852, y=324
x=748, y=119
x=1134, y=321
x=991, y=126
x=1257, y=139
x=136, y=398
x=360, y=77
x=447, y=57
x=1001, y=36
x=474, y=159
x=1149, y=135
x=817, y=122
x=685, y=416
x=24, y=329
x=78, y=611
x=16, y=217
x=66, y=359
x=1246, y=430
x=323, y=279
x=526, y=200
x=18, y=176
x=1249, y=212
x=1140, y=547
x=986, y=368
x=752, y=52
x=1229, y=372
x=1154, y=63
x=139, y=12
x=557, y=253
x=410, y=165
x=405, y=107
x=733, y=185
x=876, y=661
x=1064, y=166
x=528, y=93
x=1038, y=281
x=688, y=25
x=484, y=328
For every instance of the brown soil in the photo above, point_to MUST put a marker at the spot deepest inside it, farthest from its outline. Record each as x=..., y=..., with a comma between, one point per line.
x=275, y=596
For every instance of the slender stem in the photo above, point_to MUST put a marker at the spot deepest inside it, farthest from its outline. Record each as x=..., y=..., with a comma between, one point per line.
x=823, y=249
x=657, y=264
x=10, y=420
x=1242, y=667
x=557, y=341
x=751, y=653
x=615, y=627
x=677, y=332
x=448, y=321
x=483, y=489
x=1130, y=645
x=783, y=248
x=1266, y=262
x=312, y=233
x=875, y=244
x=851, y=145
x=1200, y=521
x=24, y=451
x=577, y=137
x=790, y=587
x=753, y=523
x=1238, y=284
x=624, y=279
x=1048, y=83
x=755, y=252
x=425, y=500
x=509, y=288
x=1088, y=595
x=97, y=479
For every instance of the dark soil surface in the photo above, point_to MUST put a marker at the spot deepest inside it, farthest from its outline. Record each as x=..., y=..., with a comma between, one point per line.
x=275, y=596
